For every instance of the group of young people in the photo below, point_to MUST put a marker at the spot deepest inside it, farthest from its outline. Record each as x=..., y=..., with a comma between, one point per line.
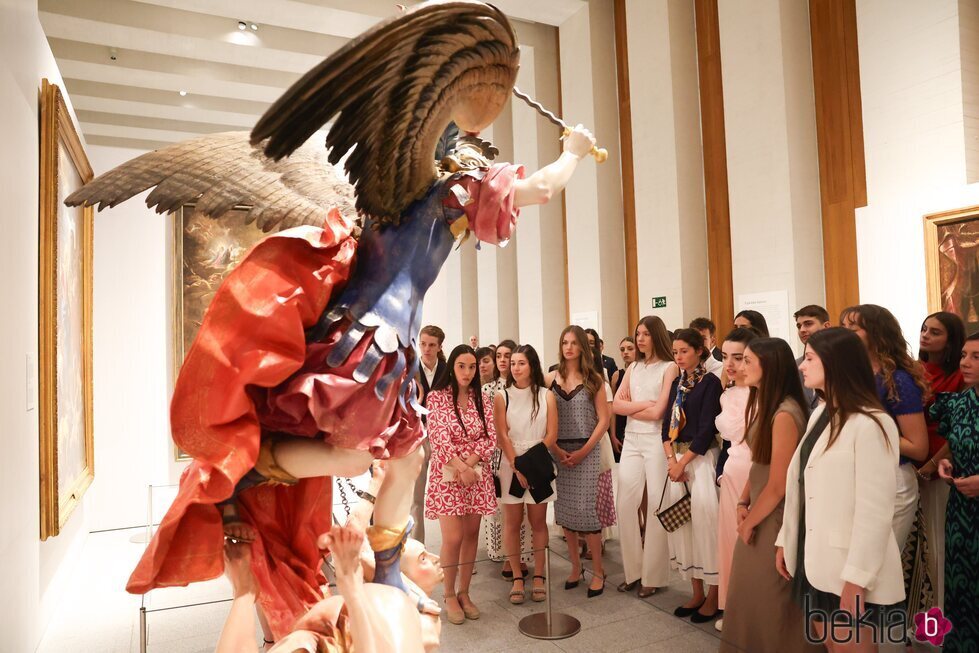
x=507, y=439
x=785, y=490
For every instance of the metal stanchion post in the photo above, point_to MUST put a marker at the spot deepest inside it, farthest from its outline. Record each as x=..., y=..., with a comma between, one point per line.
x=547, y=624
x=142, y=629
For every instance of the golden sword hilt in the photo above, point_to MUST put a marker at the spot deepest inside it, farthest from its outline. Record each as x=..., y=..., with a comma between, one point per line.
x=600, y=153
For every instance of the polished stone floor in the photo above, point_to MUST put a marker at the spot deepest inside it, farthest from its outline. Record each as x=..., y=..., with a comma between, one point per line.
x=97, y=615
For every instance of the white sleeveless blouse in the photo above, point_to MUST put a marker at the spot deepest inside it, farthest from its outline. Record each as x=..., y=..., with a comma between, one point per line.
x=645, y=384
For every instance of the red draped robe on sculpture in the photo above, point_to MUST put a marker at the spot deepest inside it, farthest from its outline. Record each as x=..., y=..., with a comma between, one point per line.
x=249, y=371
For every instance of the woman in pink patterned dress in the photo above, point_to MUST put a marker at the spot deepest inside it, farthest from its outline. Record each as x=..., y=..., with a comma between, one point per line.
x=460, y=485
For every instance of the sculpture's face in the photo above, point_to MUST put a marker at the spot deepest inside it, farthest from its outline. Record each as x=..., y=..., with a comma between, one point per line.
x=422, y=567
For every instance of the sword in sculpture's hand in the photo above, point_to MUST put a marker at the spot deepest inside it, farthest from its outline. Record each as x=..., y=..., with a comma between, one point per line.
x=600, y=153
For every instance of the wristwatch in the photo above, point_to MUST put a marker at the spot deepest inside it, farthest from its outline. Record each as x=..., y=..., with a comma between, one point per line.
x=366, y=496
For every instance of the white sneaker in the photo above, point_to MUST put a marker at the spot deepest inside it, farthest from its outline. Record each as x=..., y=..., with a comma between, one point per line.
x=719, y=625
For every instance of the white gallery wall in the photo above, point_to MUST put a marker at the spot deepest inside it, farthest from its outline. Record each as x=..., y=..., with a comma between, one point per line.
x=773, y=176
x=33, y=572
x=671, y=228
x=917, y=79
x=131, y=333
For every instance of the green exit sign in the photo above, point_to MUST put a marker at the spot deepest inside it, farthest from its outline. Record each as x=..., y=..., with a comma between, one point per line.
x=659, y=302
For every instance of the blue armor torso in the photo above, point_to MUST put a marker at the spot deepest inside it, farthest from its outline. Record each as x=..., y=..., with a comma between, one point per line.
x=395, y=266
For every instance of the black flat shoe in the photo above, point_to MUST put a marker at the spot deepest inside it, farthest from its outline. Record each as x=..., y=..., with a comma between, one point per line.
x=627, y=587
x=699, y=618
x=683, y=612
x=571, y=584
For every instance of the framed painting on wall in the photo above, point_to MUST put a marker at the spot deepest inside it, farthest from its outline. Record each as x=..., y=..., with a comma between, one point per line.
x=204, y=252
x=952, y=260
x=67, y=447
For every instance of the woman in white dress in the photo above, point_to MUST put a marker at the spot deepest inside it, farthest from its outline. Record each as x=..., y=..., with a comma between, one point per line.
x=642, y=396
x=526, y=414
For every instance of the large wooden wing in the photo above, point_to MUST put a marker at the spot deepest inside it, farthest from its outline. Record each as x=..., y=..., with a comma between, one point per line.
x=392, y=91
x=221, y=171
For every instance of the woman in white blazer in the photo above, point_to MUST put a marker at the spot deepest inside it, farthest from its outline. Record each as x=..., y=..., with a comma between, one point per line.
x=837, y=543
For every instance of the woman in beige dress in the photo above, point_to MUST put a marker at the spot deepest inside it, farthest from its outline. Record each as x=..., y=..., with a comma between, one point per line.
x=761, y=615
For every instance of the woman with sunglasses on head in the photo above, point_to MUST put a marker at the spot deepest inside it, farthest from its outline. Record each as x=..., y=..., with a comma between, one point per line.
x=582, y=421
x=902, y=389
x=688, y=434
x=732, y=473
x=761, y=615
x=526, y=415
x=643, y=398
x=958, y=418
x=837, y=544
x=460, y=489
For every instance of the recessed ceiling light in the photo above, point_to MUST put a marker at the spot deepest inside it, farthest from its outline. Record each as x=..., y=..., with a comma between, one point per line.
x=242, y=25
x=254, y=27
x=182, y=93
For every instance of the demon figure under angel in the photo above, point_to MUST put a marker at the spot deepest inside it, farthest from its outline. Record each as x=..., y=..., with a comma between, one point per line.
x=304, y=367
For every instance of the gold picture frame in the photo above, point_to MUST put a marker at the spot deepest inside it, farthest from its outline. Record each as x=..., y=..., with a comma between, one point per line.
x=952, y=263
x=205, y=250
x=67, y=445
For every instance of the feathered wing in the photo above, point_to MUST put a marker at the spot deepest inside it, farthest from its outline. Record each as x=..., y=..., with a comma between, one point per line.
x=221, y=171
x=392, y=92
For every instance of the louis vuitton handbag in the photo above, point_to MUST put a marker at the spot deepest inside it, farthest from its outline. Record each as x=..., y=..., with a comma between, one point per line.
x=677, y=514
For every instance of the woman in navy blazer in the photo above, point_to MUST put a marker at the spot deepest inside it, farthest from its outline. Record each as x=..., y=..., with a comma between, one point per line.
x=691, y=455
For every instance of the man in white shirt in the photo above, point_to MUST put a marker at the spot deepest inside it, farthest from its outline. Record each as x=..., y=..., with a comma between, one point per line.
x=808, y=320
x=432, y=365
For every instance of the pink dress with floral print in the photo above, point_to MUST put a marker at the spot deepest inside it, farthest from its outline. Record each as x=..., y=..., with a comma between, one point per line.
x=448, y=440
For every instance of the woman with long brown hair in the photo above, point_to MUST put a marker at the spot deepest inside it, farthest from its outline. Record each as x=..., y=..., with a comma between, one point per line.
x=493, y=533
x=902, y=389
x=459, y=490
x=583, y=418
x=837, y=542
x=526, y=415
x=761, y=615
x=939, y=350
x=642, y=397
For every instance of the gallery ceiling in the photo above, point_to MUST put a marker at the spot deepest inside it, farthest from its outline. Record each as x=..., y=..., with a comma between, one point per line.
x=144, y=73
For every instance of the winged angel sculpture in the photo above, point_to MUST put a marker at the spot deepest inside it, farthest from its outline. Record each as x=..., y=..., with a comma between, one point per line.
x=304, y=366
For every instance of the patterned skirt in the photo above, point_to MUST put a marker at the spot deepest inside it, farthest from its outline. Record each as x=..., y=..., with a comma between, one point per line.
x=576, y=506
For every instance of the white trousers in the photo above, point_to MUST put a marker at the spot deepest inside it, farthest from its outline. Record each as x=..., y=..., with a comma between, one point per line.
x=693, y=546
x=642, y=465
x=906, y=504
